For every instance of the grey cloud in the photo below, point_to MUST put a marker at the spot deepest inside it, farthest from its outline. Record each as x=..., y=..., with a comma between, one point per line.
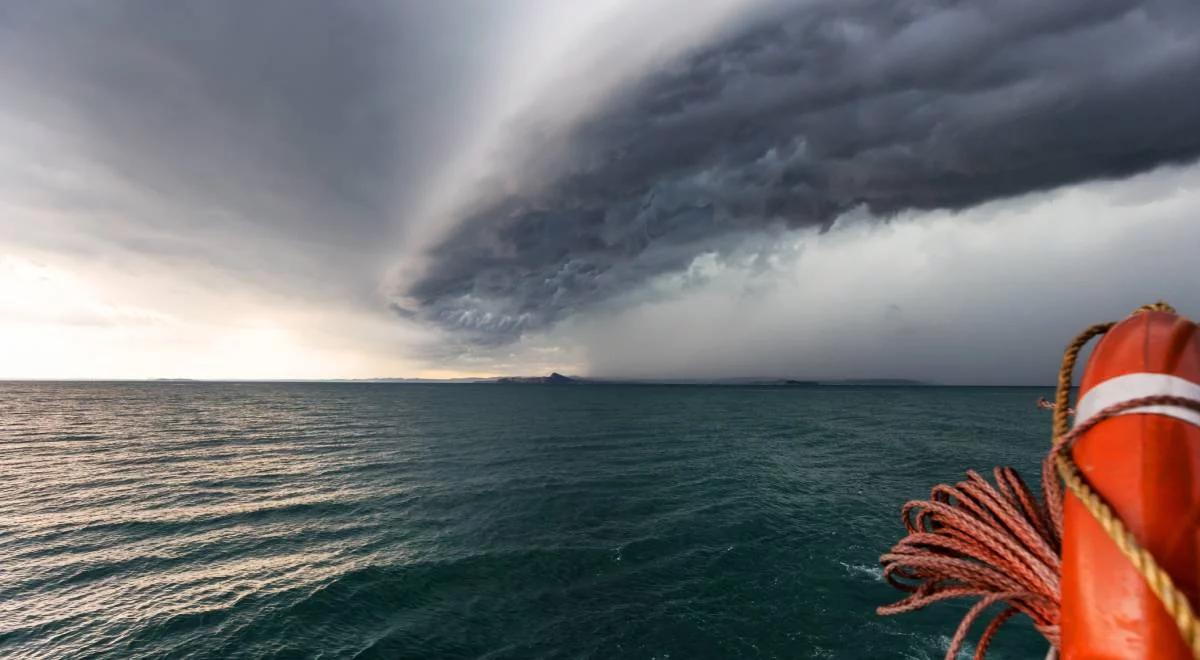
x=952, y=298
x=817, y=110
x=264, y=129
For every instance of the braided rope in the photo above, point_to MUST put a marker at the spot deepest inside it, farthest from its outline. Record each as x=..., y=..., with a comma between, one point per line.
x=1000, y=544
x=978, y=540
x=1160, y=306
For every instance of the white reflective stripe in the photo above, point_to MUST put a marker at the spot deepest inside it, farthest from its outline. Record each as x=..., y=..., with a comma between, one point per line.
x=1135, y=386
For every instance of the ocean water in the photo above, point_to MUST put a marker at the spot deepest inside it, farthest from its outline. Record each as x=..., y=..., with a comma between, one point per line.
x=225, y=520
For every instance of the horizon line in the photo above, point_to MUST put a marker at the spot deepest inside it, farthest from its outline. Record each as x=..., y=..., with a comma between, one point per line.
x=731, y=381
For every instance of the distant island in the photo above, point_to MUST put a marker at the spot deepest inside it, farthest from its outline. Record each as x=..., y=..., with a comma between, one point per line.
x=878, y=382
x=553, y=379
x=559, y=379
x=792, y=382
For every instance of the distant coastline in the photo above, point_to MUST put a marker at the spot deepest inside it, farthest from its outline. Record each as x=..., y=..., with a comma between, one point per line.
x=546, y=380
x=556, y=378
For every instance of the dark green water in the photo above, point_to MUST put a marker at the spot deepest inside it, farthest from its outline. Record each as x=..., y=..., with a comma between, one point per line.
x=479, y=521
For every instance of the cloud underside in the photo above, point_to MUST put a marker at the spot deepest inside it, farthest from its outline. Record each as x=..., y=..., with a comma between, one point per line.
x=815, y=111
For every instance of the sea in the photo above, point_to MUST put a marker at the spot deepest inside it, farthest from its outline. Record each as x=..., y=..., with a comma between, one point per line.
x=379, y=520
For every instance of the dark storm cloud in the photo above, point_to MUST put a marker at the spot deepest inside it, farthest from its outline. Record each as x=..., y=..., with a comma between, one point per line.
x=301, y=118
x=820, y=109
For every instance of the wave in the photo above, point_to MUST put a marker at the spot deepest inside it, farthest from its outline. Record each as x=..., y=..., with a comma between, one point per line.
x=875, y=573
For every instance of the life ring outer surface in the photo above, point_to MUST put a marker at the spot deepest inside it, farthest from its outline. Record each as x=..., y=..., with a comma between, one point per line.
x=1147, y=468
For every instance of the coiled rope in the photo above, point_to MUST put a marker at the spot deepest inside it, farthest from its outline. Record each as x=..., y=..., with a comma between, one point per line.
x=1002, y=545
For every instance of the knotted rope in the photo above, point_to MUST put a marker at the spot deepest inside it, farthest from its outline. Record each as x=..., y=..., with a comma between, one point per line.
x=1000, y=544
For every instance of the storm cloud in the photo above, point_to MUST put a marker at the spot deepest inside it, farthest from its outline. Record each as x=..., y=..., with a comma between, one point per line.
x=812, y=111
x=281, y=139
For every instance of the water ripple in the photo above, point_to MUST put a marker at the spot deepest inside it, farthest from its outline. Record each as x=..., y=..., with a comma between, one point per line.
x=147, y=520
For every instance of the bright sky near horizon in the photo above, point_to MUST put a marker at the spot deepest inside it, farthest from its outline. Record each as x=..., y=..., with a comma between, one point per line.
x=825, y=189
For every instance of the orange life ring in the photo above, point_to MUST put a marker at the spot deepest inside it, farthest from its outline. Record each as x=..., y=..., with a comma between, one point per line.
x=1146, y=465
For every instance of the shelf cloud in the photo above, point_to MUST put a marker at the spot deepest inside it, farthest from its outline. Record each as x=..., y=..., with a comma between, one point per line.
x=812, y=111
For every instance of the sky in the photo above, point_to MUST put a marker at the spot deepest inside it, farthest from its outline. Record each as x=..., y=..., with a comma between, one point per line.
x=944, y=191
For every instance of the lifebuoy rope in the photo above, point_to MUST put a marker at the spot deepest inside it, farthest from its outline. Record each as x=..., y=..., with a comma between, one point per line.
x=1000, y=544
